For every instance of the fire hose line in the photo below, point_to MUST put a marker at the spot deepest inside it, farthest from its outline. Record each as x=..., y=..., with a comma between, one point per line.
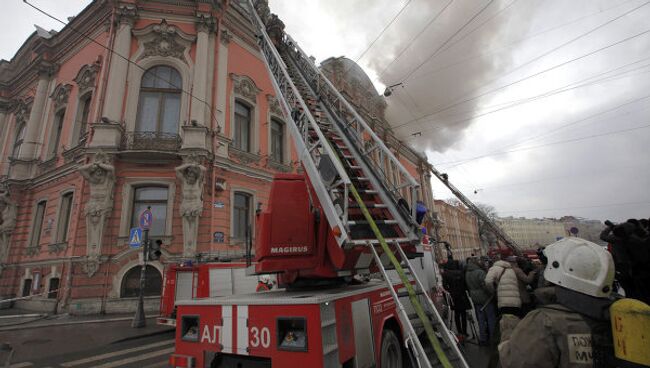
x=398, y=267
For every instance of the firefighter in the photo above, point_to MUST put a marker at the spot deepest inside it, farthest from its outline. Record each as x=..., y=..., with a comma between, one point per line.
x=264, y=283
x=572, y=331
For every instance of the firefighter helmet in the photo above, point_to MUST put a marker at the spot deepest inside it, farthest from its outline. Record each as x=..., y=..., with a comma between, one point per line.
x=580, y=265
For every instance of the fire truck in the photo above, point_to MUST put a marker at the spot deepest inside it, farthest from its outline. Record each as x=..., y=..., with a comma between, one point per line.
x=343, y=238
x=191, y=280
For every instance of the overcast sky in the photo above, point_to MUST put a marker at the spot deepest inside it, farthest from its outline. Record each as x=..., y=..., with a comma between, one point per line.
x=545, y=98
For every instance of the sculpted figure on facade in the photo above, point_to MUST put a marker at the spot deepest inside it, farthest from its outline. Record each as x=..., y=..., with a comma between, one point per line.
x=8, y=211
x=191, y=174
x=101, y=176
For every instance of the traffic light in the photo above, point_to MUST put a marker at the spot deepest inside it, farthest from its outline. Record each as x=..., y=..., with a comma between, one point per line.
x=154, y=250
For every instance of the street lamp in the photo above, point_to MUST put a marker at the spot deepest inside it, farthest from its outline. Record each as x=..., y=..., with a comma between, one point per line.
x=389, y=90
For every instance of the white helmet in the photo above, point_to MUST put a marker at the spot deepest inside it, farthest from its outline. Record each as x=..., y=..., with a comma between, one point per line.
x=580, y=265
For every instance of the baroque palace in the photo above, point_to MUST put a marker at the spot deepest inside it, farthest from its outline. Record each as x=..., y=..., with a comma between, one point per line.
x=135, y=104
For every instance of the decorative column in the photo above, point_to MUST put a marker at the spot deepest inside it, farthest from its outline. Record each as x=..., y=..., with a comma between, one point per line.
x=23, y=164
x=191, y=174
x=115, y=88
x=200, y=109
x=8, y=212
x=222, y=82
x=100, y=174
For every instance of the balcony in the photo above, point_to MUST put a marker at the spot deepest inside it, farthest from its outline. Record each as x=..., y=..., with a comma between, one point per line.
x=150, y=145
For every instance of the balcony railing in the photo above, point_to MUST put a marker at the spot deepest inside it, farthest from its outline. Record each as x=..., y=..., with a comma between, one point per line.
x=150, y=141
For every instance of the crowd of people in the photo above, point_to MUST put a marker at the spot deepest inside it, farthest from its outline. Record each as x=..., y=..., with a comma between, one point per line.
x=552, y=311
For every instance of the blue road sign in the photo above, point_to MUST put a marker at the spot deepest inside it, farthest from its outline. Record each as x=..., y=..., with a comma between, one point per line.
x=146, y=218
x=135, y=238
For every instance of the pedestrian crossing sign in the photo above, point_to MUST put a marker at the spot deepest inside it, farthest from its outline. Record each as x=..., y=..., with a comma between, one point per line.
x=135, y=238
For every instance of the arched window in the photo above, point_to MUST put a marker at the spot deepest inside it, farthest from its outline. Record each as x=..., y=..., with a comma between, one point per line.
x=131, y=282
x=160, y=100
x=242, y=131
x=18, y=142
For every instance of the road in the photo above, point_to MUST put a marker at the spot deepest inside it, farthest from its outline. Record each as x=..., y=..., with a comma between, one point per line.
x=97, y=345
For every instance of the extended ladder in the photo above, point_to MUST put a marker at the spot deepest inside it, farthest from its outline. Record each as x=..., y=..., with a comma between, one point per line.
x=348, y=167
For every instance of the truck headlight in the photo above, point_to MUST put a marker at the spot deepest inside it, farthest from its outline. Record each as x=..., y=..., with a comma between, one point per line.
x=292, y=333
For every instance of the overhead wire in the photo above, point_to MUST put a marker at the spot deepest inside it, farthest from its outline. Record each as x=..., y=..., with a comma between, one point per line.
x=518, y=41
x=470, y=20
x=383, y=31
x=486, y=21
x=448, y=107
x=168, y=81
x=643, y=203
x=412, y=40
x=546, y=145
x=569, y=87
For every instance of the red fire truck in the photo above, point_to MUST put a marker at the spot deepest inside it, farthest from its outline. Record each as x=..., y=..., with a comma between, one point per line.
x=344, y=220
x=187, y=280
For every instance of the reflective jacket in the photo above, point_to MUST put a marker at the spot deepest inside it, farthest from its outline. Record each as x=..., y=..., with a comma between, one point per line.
x=552, y=336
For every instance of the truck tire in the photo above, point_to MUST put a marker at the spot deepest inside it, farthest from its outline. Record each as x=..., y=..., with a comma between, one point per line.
x=391, y=350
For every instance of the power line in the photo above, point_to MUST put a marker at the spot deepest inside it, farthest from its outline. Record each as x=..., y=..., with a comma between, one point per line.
x=580, y=207
x=566, y=88
x=568, y=42
x=506, y=46
x=545, y=145
x=410, y=42
x=169, y=82
x=446, y=41
x=383, y=30
x=579, y=175
x=532, y=75
x=486, y=21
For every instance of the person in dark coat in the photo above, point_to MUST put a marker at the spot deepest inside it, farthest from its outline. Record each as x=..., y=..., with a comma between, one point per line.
x=483, y=301
x=453, y=280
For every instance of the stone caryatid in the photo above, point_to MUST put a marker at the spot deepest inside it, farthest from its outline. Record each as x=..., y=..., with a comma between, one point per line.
x=191, y=174
x=100, y=174
x=8, y=211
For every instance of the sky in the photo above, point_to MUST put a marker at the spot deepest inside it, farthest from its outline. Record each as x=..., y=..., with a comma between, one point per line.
x=540, y=108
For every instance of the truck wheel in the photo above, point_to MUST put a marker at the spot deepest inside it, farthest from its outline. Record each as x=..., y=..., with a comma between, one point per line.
x=391, y=350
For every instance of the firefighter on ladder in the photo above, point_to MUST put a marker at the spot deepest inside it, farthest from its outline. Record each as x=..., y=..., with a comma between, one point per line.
x=264, y=283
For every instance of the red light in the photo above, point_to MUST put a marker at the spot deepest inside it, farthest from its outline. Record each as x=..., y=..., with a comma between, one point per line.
x=181, y=361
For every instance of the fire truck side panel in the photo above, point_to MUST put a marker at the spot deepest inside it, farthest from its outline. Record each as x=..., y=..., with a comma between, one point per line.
x=243, y=330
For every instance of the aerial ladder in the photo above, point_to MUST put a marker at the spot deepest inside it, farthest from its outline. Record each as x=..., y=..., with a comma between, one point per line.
x=371, y=218
x=498, y=232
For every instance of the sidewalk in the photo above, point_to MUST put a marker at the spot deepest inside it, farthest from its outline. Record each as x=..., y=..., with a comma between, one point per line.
x=16, y=319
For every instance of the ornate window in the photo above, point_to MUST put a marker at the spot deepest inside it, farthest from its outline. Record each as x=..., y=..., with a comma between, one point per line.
x=53, y=291
x=56, y=134
x=242, y=128
x=81, y=122
x=160, y=100
x=277, y=141
x=27, y=287
x=65, y=211
x=155, y=198
x=38, y=224
x=131, y=282
x=20, y=136
x=241, y=215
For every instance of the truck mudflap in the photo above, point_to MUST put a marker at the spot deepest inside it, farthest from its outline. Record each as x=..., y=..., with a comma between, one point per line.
x=219, y=360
